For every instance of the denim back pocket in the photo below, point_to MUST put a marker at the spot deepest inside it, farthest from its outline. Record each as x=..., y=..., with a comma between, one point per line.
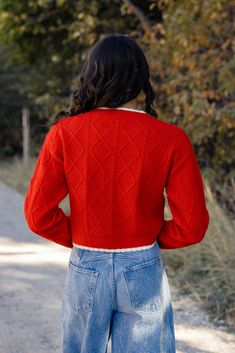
x=81, y=286
x=144, y=284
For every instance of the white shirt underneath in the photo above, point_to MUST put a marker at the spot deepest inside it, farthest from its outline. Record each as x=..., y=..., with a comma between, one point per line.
x=124, y=108
x=114, y=250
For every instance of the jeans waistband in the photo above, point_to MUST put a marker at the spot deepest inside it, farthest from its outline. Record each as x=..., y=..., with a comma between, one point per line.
x=148, y=253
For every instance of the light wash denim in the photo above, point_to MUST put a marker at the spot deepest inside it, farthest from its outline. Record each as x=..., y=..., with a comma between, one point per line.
x=121, y=296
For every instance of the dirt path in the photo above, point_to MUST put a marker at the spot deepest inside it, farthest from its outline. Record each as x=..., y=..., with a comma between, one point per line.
x=32, y=274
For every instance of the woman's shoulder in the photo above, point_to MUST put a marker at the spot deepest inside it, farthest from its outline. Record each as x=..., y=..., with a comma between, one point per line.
x=165, y=128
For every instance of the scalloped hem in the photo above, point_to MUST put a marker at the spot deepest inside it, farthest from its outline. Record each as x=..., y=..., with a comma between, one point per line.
x=114, y=250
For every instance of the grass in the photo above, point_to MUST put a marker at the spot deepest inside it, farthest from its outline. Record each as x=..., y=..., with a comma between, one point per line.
x=204, y=271
x=14, y=174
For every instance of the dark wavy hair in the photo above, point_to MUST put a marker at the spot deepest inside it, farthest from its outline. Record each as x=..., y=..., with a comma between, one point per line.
x=115, y=72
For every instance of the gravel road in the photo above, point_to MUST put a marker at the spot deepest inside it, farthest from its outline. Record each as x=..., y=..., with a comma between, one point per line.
x=32, y=275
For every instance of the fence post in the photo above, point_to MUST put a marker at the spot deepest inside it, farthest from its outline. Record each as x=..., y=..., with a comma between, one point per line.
x=26, y=135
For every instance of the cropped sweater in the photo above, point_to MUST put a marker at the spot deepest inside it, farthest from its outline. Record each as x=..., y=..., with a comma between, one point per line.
x=115, y=163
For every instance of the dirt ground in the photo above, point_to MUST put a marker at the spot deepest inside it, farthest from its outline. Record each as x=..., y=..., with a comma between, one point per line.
x=32, y=275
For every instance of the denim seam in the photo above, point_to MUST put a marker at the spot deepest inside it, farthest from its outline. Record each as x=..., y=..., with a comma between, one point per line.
x=80, y=254
x=144, y=255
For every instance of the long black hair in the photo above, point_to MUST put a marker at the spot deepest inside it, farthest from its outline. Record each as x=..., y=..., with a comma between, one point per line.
x=115, y=72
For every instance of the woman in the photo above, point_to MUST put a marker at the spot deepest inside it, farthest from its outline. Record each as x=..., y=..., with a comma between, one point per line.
x=114, y=161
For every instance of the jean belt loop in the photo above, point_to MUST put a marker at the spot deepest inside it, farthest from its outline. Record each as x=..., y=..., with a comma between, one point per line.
x=80, y=253
x=143, y=254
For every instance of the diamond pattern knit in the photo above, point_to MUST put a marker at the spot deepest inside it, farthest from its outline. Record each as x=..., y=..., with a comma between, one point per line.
x=115, y=164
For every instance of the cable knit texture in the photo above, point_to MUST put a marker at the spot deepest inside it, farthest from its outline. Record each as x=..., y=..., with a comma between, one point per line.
x=115, y=164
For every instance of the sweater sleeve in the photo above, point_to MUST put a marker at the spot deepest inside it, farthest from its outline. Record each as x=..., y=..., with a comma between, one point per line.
x=47, y=189
x=186, y=199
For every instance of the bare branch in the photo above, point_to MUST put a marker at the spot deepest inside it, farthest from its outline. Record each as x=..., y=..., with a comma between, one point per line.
x=140, y=15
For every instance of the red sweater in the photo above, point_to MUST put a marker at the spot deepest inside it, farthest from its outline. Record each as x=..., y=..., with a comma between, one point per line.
x=114, y=164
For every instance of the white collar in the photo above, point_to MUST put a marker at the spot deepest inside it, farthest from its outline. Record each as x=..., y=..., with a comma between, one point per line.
x=124, y=108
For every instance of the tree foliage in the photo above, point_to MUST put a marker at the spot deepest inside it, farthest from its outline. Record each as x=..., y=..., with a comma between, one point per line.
x=195, y=65
x=11, y=101
x=189, y=44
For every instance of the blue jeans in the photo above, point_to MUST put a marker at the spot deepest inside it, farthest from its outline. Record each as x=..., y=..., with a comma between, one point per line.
x=122, y=296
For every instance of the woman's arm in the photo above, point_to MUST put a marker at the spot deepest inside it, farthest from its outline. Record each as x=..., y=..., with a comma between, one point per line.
x=47, y=189
x=186, y=199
